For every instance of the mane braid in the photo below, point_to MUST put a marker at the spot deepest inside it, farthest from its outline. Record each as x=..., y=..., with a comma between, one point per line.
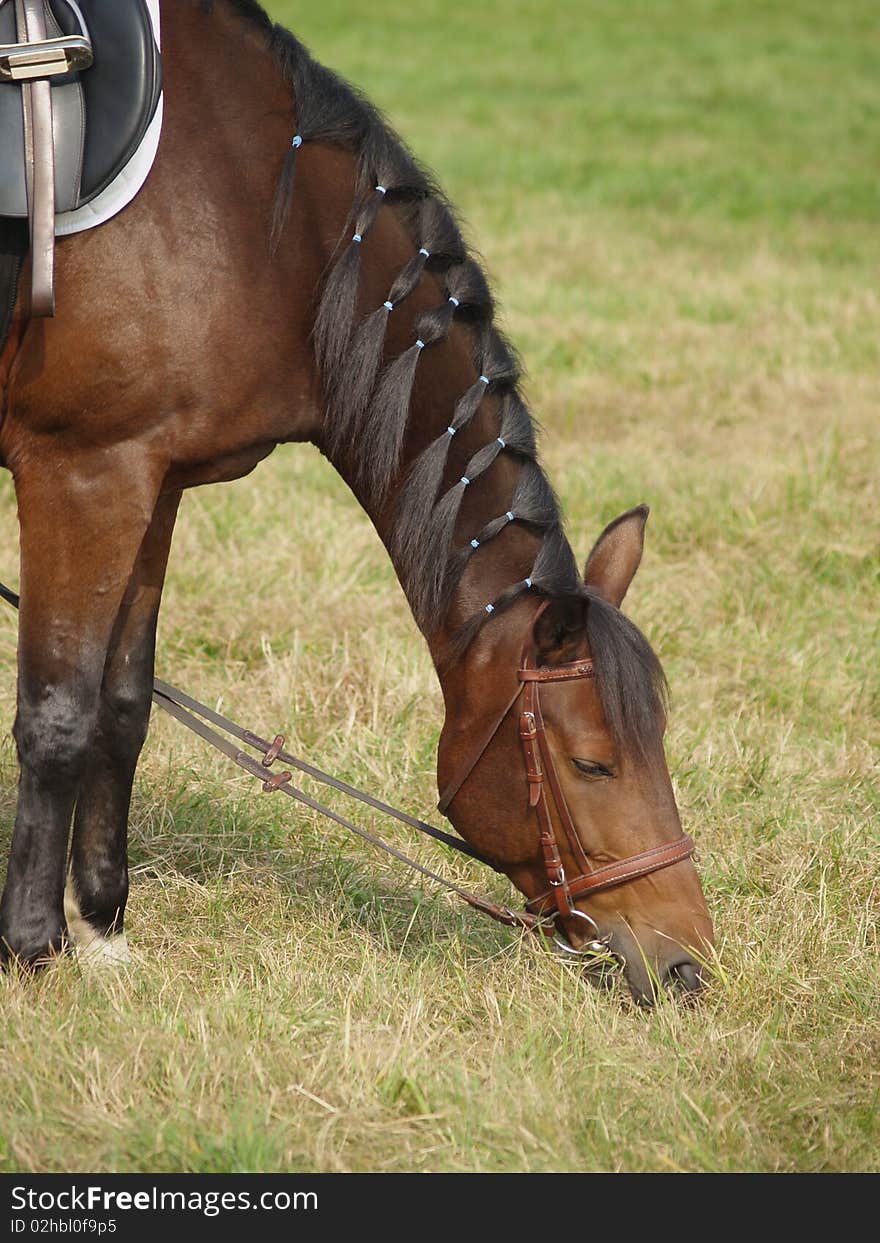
x=413, y=539
x=367, y=397
x=349, y=396
x=368, y=406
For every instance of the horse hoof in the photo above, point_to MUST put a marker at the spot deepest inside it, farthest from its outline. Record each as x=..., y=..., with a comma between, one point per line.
x=103, y=951
x=32, y=954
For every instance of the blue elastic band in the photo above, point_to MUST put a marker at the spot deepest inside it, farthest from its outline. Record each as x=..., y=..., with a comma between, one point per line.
x=455, y=301
x=527, y=581
x=420, y=343
x=509, y=515
x=389, y=306
x=490, y=608
x=452, y=430
x=296, y=141
x=484, y=379
x=475, y=543
x=381, y=190
x=357, y=238
x=501, y=442
x=464, y=479
x=424, y=252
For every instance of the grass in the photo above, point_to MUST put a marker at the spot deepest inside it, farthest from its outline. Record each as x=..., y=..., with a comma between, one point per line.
x=679, y=206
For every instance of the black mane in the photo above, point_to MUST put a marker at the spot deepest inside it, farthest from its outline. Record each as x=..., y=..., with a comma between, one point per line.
x=369, y=406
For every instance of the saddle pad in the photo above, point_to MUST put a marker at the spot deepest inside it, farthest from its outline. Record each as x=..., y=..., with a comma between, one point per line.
x=129, y=181
x=100, y=116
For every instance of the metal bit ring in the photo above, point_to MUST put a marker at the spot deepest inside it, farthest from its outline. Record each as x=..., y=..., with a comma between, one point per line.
x=597, y=946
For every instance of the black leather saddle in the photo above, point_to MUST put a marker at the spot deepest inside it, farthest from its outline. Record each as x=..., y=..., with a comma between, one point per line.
x=99, y=114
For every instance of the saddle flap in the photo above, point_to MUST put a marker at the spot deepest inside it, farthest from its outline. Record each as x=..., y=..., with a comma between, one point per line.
x=100, y=114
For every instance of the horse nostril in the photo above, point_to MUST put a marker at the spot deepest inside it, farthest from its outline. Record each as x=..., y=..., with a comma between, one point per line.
x=685, y=976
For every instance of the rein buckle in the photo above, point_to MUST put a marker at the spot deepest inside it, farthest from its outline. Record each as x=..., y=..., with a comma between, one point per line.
x=276, y=781
x=272, y=754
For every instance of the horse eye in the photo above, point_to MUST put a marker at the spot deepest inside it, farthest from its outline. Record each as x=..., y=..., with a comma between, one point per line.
x=592, y=770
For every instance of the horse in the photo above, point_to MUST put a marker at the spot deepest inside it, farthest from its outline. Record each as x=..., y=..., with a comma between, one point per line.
x=290, y=273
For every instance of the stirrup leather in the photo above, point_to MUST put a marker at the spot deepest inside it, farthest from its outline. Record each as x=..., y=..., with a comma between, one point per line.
x=33, y=62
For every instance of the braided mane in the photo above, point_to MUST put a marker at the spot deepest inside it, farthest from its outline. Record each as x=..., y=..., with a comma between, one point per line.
x=369, y=406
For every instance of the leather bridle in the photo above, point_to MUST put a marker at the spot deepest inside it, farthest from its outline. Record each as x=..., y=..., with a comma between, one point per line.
x=543, y=782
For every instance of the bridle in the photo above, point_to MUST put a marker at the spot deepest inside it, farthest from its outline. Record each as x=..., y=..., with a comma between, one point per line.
x=543, y=781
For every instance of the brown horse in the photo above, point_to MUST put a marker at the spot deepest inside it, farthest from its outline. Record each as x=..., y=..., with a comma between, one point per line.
x=234, y=306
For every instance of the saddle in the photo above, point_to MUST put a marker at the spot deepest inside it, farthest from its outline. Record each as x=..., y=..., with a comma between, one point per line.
x=80, y=82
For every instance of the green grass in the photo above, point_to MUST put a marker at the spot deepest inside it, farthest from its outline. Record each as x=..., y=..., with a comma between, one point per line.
x=679, y=205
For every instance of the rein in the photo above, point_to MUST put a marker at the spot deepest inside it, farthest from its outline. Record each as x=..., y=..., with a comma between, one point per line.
x=199, y=719
x=542, y=912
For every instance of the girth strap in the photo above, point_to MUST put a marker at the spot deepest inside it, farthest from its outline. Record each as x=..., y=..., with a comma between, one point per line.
x=13, y=248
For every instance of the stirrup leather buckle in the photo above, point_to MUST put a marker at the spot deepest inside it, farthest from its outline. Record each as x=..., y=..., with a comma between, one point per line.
x=45, y=58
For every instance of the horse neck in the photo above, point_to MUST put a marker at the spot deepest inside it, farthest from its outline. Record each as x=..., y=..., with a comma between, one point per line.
x=328, y=182
x=444, y=371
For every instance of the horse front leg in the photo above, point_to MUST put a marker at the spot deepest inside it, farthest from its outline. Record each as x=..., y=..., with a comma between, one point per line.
x=83, y=518
x=97, y=876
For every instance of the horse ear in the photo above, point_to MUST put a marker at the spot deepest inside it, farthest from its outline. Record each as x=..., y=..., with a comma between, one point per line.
x=559, y=632
x=612, y=564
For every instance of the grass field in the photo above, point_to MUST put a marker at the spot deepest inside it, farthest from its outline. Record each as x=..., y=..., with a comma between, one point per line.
x=679, y=205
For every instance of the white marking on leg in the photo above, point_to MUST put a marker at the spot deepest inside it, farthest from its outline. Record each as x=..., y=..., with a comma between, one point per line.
x=90, y=945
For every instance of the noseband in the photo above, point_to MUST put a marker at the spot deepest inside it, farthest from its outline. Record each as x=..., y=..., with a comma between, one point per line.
x=544, y=784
